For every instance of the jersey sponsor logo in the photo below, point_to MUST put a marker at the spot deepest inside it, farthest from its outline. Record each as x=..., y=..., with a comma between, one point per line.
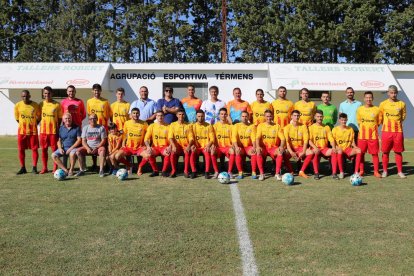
x=391, y=115
x=201, y=137
x=179, y=137
x=26, y=117
x=367, y=121
x=295, y=139
x=280, y=112
x=134, y=135
x=343, y=141
x=222, y=137
x=268, y=137
x=48, y=115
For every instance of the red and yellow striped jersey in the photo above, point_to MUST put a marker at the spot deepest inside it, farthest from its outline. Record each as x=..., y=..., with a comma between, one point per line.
x=282, y=110
x=343, y=136
x=244, y=135
x=101, y=108
x=204, y=134
x=51, y=114
x=114, y=140
x=157, y=134
x=120, y=113
x=181, y=133
x=368, y=118
x=258, y=111
x=134, y=133
x=270, y=135
x=393, y=114
x=27, y=115
x=223, y=134
x=296, y=136
x=320, y=135
x=307, y=111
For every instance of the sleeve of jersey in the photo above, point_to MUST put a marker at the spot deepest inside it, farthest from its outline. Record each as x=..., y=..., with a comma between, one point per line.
x=234, y=133
x=212, y=137
x=281, y=135
x=335, y=115
x=16, y=112
x=329, y=134
x=148, y=133
x=249, y=109
x=253, y=134
x=108, y=110
x=190, y=133
x=305, y=133
x=403, y=112
x=38, y=112
x=88, y=106
x=171, y=131
x=358, y=116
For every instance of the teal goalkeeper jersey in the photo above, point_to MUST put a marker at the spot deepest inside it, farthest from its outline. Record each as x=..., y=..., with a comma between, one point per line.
x=330, y=114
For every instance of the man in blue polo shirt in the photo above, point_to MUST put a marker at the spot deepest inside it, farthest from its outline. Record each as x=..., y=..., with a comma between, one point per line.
x=349, y=107
x=68, y=143
x=146, y=106
x=169, y=105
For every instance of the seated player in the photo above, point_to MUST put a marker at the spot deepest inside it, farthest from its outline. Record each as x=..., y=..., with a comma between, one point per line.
x=244, y=142
x=345, y=144
x=68, y=143
x=114, y=145
x=223, y=146
x=319, y=136
x=157, y=144
x=203, y=140
x=368, y=118
x=180, y=135
x=270, y=141
x=297, y=141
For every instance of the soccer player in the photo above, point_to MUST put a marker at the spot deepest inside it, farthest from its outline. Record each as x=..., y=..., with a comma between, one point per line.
x=244, y=142
x=27, y=115
x=74, y=106
x=191, y=104
x=203, y=141
x=180, y=135
x=319, y=136
x=114, y=146
x=169, y=105
x=259, y=107
x=369, y=118
x=394, y=113
x=49, y=125
x=297, y=141
x=330, y=113
x=345, y=144
x=133, y=141
x=212, y=106
x=99, y=106
x=70, y=139
x=282, y=107
x=120, y=109
x=306, y=108
x=146, y=106
x=349, y=107
x=236, y=106
x=157, y=135
x=223, y=146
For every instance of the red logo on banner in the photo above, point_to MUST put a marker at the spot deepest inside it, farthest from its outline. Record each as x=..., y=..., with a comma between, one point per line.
x=78, y=82
x=372, y=84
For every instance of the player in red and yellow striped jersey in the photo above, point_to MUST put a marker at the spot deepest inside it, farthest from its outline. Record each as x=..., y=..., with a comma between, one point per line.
x=259, y=107
x=223, y=145
x=157, y=144
x=204, y=138
x=99, y=106
x=297, y=141
x=27, y=115
x=319, y=136
x=270, y=141
x=114, y=145
x=394, y=113
x=51, y=118
x=180, y=134
x=282, y=108
x=368, y=118
x=306, y=108
x=345, y=144
x=243, y=137
x=120, y=109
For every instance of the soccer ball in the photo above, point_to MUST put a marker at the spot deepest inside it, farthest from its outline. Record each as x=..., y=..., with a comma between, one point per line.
x=355, y=180
x=122, y=174
x=288, y=179
x=59, y=174
x=224, y=178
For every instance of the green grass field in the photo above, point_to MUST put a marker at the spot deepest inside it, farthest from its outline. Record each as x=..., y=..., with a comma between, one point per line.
x=92, y=225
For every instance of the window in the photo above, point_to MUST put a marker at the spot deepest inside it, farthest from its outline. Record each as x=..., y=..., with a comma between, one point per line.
x=58, y=93
x=315, y=95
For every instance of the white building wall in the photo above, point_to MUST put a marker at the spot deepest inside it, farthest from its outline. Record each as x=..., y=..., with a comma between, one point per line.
x=8, y=125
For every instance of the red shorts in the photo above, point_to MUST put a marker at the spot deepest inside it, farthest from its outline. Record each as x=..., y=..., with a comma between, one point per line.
x=370, y=146
x=27, y=142
x=247, y=149
x=48, y=140
x=223, y=151
x=392, y=141
x=199, y=151
x=157, y=151
x=129, y=151
x=323, y=152
x=270, y=151
x=83, y=151
x=347, y=153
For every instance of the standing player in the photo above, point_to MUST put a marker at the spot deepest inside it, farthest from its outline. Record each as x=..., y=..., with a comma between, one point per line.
x=49, y=125
x=74, y=106
x=259, y=107
x=236, y=106
x=203, y=141
x=329, y=111
x=212, y=106
x=120, y=109
x=191, y=104
x=99, y=106
x=319, y=136
x=306, y=108
x=244, y=142
x=369, y=118
x=282, y=107
x=349, y=107
x=223, y=147
x=297, y=141
x=27, y=115
x=345, y=144
x=394, y=113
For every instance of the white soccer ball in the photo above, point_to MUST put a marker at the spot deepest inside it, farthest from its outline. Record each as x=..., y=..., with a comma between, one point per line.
x=223, y=178
x=288, y=179
x=355, y=179
x=122, y=174
x=59, y=174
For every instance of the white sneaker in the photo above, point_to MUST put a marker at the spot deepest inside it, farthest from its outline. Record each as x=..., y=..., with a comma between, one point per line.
x=384, y=174
x=278, y=177
x=402, y=175
x=261, y=177
x=341, y=175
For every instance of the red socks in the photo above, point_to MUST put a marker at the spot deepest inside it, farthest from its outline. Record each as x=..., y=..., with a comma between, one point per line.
x=398, y=161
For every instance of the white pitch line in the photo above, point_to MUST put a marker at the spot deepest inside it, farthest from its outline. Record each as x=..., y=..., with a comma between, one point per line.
x=246, y=248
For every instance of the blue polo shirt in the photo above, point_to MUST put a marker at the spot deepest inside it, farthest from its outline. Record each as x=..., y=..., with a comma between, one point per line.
x=350, y=108
x=146, y=108
x=68, y=136
x=169, y=117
